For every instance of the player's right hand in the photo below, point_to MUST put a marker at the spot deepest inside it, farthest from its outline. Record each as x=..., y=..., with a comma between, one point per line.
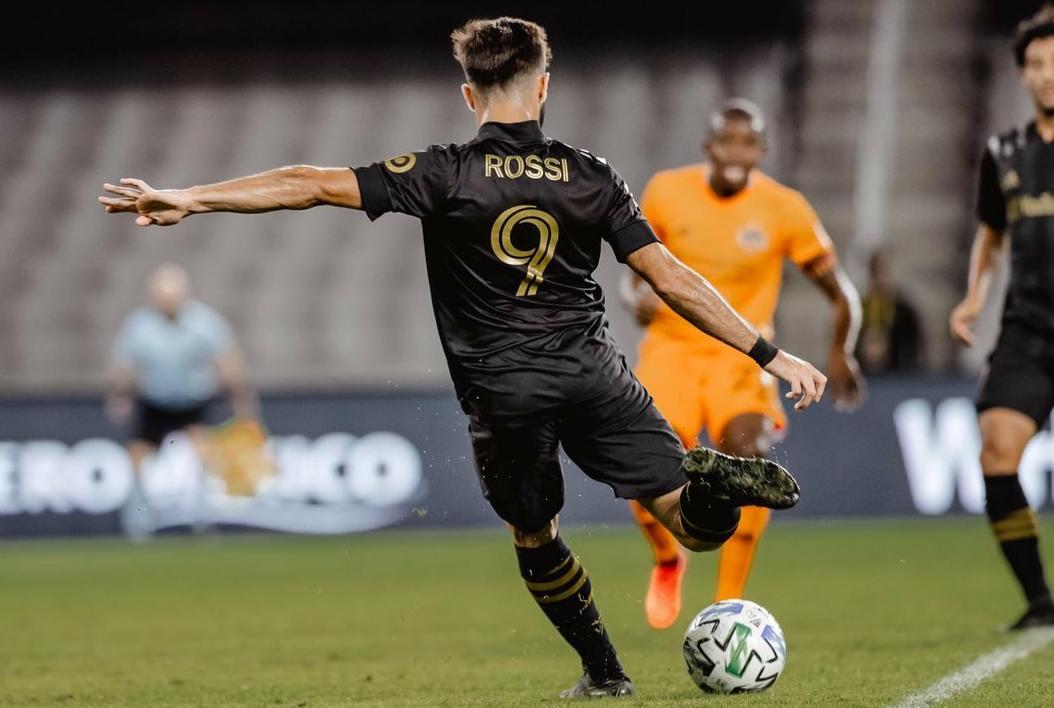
x=962, y=319
x=806, y=382
x=161, y=207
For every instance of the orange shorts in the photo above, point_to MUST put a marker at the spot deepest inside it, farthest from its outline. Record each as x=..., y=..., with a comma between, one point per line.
x=696, y=385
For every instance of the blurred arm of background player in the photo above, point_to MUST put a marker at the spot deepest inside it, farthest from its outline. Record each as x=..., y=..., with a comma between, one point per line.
x=120, y=395
x=693, y=298
x=985, y=257
x=230, y=370
x=303, y=187
x=847, y=383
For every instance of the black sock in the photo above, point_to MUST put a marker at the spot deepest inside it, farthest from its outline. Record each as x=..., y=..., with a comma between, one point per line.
x=706, y=518
x=1014, y=526
x=562, y=589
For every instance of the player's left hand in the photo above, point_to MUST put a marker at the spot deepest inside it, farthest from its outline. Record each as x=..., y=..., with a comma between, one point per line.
x=807, y=384
x=847, y=383
x=161, y=207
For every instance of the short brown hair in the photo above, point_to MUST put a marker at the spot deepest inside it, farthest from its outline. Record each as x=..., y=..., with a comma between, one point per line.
x=495, y=52
x=1038, y=26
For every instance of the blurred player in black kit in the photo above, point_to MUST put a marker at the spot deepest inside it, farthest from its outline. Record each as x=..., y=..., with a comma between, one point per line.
x=513, y=224
x=1016, y=200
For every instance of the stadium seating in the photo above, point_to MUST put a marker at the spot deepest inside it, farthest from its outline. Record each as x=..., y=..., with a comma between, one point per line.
x=318, y=299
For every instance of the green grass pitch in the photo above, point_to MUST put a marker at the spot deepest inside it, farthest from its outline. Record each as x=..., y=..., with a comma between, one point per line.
x=872, y=611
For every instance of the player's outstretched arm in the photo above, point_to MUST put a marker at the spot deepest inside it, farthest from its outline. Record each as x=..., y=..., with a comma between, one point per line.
x=693, y=298
x=295, y=187
x=847, y=382
x=985, y=255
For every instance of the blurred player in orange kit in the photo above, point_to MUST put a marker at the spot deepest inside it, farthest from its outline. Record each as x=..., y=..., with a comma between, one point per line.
x=733, y=225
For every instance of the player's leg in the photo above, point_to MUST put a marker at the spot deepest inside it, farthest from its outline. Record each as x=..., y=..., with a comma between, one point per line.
x=744, y=412
x=150, y=425
x=671, y=376
x=622, y=441
x=705, y=512
x=665, y=548
x=662, y=600
x=519, y=471
x=746, y=435
x=148, y=430
x=1016, y=396
x=1004, y=435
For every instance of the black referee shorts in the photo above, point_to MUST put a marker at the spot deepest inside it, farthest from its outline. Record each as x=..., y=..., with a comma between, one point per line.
x=1020, y=374
x=617, y=438
x=153, y=422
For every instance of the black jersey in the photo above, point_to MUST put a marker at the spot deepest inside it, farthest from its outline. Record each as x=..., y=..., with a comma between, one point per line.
x=1016, y=195
x=513, y=223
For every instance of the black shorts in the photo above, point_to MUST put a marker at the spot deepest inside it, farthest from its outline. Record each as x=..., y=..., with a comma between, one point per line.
x=617, y=438
x=154, y=422
x=1020, y=374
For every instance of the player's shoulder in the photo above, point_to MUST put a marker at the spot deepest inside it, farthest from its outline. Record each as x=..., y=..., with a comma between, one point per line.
x=777, y=191
x=434, y=155
x=201, y=314
x=1009, y=142
x=140, y=317
x=594, y=169
x=584, y=160
x=673, y=182
x=677, y=175
x=445, y=148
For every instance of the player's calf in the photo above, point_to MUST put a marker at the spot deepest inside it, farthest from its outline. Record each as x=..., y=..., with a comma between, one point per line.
x=561, y=587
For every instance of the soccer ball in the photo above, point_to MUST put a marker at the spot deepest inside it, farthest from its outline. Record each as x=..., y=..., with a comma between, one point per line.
x=734, y=646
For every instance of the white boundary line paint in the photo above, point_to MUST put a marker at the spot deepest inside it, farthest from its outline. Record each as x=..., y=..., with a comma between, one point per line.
x=983, y=668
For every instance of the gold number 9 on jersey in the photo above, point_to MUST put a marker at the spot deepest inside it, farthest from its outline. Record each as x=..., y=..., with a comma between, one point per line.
x=536, y=259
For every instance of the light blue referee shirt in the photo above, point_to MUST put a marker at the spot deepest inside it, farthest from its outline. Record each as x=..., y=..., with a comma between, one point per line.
x=174, y=361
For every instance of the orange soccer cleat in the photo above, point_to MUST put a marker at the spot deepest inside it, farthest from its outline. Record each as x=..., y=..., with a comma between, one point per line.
x=663, y=602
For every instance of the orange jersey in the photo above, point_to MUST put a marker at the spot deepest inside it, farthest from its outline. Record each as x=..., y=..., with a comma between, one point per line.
x=737, y=243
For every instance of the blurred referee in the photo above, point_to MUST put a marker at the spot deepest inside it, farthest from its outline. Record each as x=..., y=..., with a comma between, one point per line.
x=171, y=359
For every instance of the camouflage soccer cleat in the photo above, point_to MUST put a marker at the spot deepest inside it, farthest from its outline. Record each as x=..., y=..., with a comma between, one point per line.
x=740, y=481
x=587, y=688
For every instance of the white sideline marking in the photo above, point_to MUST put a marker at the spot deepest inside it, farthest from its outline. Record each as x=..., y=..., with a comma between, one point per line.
x=983, y=668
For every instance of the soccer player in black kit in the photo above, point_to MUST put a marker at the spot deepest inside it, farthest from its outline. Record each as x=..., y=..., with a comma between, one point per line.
x=1016, y=200
x=513, y=224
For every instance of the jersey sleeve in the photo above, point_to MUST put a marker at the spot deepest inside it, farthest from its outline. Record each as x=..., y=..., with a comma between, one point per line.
x=650, y=207
x=808, y=244
x=991, y=204
x=626, y=228
x=416, y=183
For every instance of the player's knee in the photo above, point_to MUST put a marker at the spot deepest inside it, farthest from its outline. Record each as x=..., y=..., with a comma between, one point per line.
x=696, y=545
x=749, y=435
x=998, y=453
x=747, y=447
x=530, y=535
x=747, y=536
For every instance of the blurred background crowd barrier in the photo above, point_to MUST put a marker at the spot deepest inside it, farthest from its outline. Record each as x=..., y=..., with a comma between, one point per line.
x=356, y=462
x=878, y=112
